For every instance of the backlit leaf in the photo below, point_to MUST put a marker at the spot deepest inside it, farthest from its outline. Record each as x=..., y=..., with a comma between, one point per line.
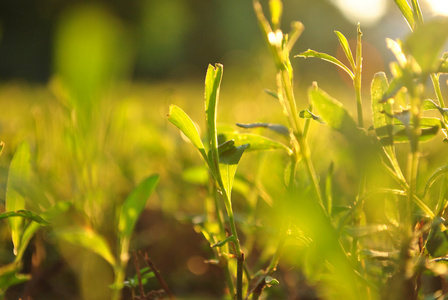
x=212, y=86
x=329, y=58
x=55, y=210
x=228, y=163
x=439, y=172
x=307, y=114
x=19, y=172
x=380, y=111
x=406, y=11
x=332, y=112
x=182, y=121
x=276, y=9
x=88, y=239
x=134, y=205
x=346, y=47
x=256, y=142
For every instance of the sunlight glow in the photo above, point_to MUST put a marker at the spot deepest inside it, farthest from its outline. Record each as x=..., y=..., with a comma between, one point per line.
x=438, y=7
x=367, y=12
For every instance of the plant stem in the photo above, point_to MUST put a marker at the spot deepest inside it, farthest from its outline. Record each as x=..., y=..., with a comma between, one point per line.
x=304, y=150
x=357, y=78
x=158, y=276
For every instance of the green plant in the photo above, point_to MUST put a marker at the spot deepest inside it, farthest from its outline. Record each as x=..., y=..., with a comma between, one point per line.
x=356, y=251
x=23, y=223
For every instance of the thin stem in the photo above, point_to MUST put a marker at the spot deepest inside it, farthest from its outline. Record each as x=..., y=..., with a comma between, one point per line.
x=158, y=276
x=304, y=150
x=357, y=78
x=139, y=276
x=239, y=276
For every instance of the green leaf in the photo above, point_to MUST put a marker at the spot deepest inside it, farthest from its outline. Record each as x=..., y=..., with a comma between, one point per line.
x=145, y=274
x=332, y=112
x=425, y=44
x=307, y=114
x=429, y=104
x=88, y=239
x=272, y=93
x=406, y=11
x=276, y=9
x=19, y=172
x=227, y=145
x=418, y=17
x=227, y=240
x=439, y=172
x=426, y=134
x=25, y=214
x=283, y=130
x=228, y=163
x=9, y=277
x=55, y=210
x=329, y=58
x=256, y=142
x=182, y=121
x=345, y=46
x=381, y=122
x=212, y=86
x=134, y=205
x=271, y=281
x=437, y=243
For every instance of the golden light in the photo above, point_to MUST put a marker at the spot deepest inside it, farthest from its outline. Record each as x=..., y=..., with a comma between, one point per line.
x=438, y=7
x=367, y=12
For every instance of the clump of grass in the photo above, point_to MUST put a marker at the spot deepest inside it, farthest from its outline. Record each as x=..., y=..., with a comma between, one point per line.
x=355, y=257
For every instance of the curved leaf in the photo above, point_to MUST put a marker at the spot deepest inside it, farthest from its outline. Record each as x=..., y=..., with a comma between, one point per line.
x=25, y=214
x=228, y=163
x=89, y=239
x=332, y=112
x=19, y=172
x=256, y=142
x=439, y=172
x=182, y=121
x=380, y=110
x=134, y=205
x=406, y=11
x=212, y=86
x=329, y=58
x=307, y=114
x=274, y=127
x=346, y=47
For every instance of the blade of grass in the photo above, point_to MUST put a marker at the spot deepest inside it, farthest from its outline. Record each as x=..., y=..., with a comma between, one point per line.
x=406, y=11
x=346, y=48
x=19, y=172
x=182, y=121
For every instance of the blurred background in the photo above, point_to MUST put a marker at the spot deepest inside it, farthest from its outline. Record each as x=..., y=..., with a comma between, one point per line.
x=178, y=38
x=88, y=84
